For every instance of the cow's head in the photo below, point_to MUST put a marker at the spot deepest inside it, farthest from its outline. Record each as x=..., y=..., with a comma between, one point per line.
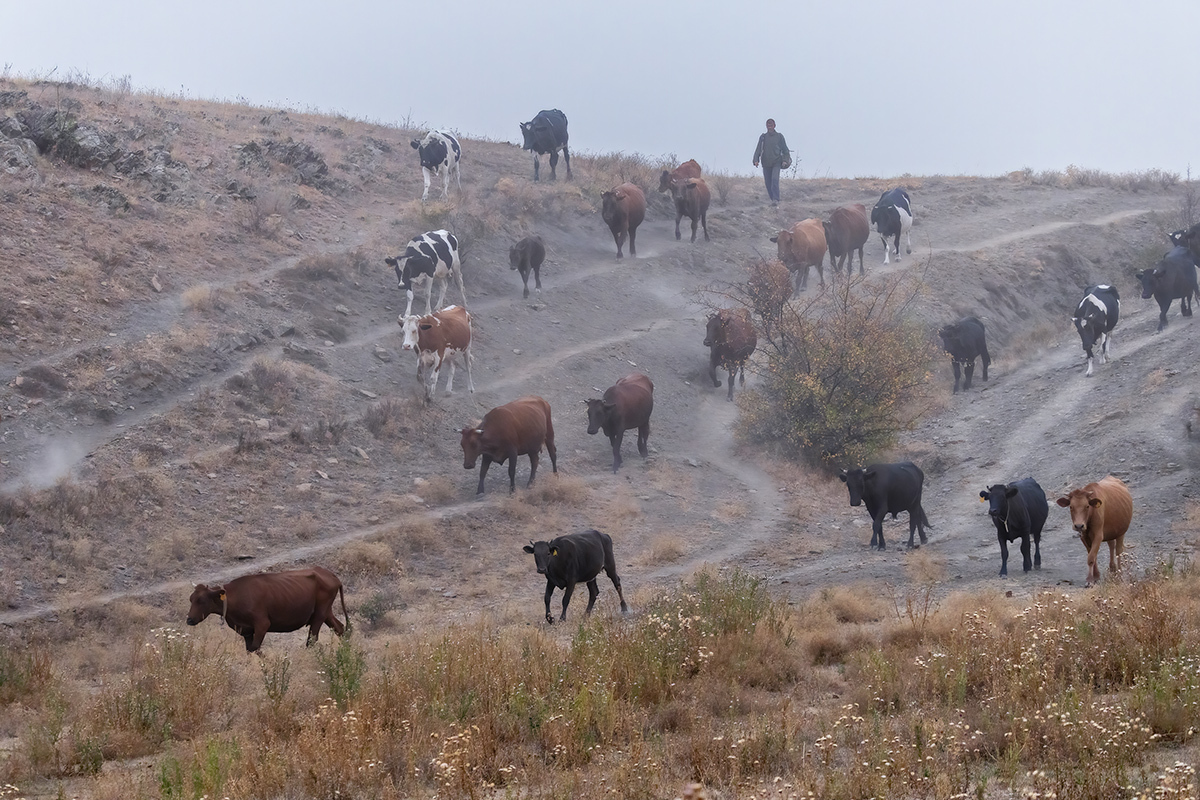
x=950, y=336
x=397, y=264
x=432, y=151
x=542, y=553
x=716, y=333
x=612, y=203
x=784, y=240
x=1083, y=505
x=514, y=257
x=665, y=184
x=472, y=444
x=527, y=135
x=598, y=412
x=1151, y=280
x=856, y=481
x=205, y=600
x=412, y=325
x=997, y=498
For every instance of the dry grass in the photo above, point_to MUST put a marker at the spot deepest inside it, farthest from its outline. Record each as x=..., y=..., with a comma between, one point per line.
x=206, y=299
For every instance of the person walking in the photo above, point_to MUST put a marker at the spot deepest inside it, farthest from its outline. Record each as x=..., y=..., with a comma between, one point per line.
x=773, y=152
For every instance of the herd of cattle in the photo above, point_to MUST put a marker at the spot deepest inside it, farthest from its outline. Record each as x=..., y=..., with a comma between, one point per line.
x=1101, y=511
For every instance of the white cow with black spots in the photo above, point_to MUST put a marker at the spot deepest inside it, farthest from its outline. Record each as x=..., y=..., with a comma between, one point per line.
x=440, y=154
x=1095, y=317
x=429, y=257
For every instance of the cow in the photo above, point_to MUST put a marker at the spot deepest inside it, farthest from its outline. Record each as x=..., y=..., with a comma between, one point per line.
x=847, y=231
x=547, y=133
x=1189, y=238
x=528, y=254
x=1100, y=512
x=1019, y=511
x=964, y=341
x=625, y=405
x=1174, y=276
x=670, y=179
x=1095, y=317
x=575, y=558
x=439, y=338
x=513, y=429
x=273, y=602
x=802, y=246
x=889, y=489
x=432, y=256
x=439, y=153
x=624, y=209
x=892, y=216
x=730, y=338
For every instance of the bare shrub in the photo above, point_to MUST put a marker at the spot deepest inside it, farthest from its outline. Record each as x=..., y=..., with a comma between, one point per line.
x=365, y=559
x=322, y=267
x=205, y=298
x=385, y=419
x=269, y=383
x=723, y=182
x=265, y=213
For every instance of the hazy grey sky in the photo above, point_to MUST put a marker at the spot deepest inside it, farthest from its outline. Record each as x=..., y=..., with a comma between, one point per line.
x=862, y=88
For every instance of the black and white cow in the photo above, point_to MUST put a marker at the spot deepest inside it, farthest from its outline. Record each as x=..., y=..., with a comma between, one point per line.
x=964, y=341
x=1019, y=511
x=440, y=154
x=429, y=257
x=892, y=216
x=889, y=489
x=547, y=133
x=1174, y=276
x=1095, y=317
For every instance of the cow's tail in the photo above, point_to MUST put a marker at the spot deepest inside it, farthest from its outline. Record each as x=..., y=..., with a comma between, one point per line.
x=345, y=613
x=924, y=519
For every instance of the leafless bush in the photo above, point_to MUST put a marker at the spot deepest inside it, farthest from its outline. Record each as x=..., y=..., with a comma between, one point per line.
x=384, y=419
x=723, y=182
x=265, y=213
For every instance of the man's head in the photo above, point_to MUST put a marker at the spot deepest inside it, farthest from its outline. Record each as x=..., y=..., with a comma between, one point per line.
x=770, y=125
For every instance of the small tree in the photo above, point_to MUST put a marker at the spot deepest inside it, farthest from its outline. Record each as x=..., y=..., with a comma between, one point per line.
x=845, y=371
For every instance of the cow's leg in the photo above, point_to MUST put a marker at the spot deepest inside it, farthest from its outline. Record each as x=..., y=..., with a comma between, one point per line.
x=458, y=279
x=985, y=360
x=535, y=167
x=633, y=242
x=593, y=593
x=886, y=250
x=616, y=439
x=861, y=268
x=1037, y=550
x=1093, y=554
x=408, y=308
x=567, y=592
x=643, y=438
x=549, y=595
x=331, y=618
x=678, y=219
x=431, y=379
x=445, y=282
x=512, y=472
x=483, y=468
x=907, y=243
x=1185, y=305
x=704, y=222
x=610, y=567
x=803, y=274
x=533, y=465
x=537, y=277
x=695, y=223
x=525, y=280
x=619, y=238
x=914, y=521
x=551, y=450
x=969, y=370
x=713, y=361
x=1088, y=374
x=1114, y=553
x=314, y=629
x=898, y=246
x=553, y=164
x=567, y=159
x=1162, y=316
x=954, y=366
x=877, y=530
x=732, y=375
x=1003, y=552
x=425, y=175
x=449, y=376
x=458, y=176
x=1104, y=337
x=446, y=182
x=1026, y=561
x=467, y=365
x=260, y=633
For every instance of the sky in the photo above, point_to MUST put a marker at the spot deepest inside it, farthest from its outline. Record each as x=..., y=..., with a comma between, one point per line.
x=868, y=88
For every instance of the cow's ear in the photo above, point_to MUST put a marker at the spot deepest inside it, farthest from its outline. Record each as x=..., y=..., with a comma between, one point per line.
x=842, y=476
x=868, y=473
x=415, y=144
x=1011, y=492
x=774, y=238
x=527, y=548
x=425, y=327
x=1095, y=502
x=554, y=551
x=1065, y=502
x=984, y=497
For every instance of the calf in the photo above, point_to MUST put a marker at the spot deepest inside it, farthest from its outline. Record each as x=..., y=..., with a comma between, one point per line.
x=691, y=201
x=624, y=209
x=626, y=405
x=272, y=602
x=964, y=341
x=430, y=257
x=892, y=216
x=513, y=429
x=528, y=254
x=1100, y=512
x=802, y=246
x=730, y=338
x=889, y=489
x=1173, y=277
x=847, y=231
x=1019, y=511
x=437, y=339
x=575, y=558
x=439, y=153
x=547, y=133
x=1095, y=317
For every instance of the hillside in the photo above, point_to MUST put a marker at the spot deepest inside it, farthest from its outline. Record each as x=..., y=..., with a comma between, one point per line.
x=202, y=377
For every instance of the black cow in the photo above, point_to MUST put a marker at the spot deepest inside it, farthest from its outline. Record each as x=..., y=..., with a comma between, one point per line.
x=1173, y=277
x=964, y=341
x=528, y=254
x=1095, y=317
x=889, y=489
x=892, y=216
x=547, y=133
x=1189, y=238
x=1019, y=511
x=576, y=558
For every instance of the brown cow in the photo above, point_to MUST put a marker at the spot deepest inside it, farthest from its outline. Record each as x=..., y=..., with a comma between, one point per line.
x=273, y=602
x=692, y=202
x=1100, y=512
x=528, y=254
x=513, y=429
x=802, y=246
x=624, y=210
x=669, y=180
x=626, y=404
x=731, y=339
x=847, y=231
x=437, y=339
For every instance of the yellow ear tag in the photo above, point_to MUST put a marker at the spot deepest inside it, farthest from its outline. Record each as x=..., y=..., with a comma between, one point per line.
x=222, y=595
x=553, y=551
x=983, y=499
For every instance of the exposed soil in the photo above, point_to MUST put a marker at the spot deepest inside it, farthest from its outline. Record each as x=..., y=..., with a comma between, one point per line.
x=106, y=378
